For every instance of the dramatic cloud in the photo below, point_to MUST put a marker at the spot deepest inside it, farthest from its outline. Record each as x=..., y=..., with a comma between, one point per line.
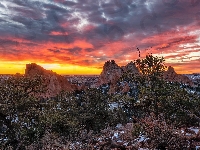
x=86, y=33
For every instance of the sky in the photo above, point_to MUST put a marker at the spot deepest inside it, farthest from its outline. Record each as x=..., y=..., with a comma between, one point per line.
x=79, y=36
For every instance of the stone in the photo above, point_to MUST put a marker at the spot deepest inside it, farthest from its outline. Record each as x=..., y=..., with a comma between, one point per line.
x=55, y=83
x=111, y=74
x=172, y=76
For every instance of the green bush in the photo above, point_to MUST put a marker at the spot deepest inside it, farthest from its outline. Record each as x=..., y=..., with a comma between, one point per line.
x=19, y=111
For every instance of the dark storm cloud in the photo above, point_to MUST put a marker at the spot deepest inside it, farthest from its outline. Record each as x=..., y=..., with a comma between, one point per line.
x=36, y=6
x=54, y=8
x=69, y=3
x=1, y=5
x=167, y=16
x=127, y=15
x=103, y=58
x=89, y=49
x=74, y=50
x=21, y=2
x=4, y=44
x=54, y=51
x=111, y=21
x=123, y=21
x=24, y=12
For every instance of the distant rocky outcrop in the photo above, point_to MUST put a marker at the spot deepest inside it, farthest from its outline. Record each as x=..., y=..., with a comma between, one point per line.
x=111, y=73
x=130, y=67
x=171, y=75
x=55, y=83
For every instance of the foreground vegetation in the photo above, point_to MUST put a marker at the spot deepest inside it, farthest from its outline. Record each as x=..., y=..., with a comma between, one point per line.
x=153, y=108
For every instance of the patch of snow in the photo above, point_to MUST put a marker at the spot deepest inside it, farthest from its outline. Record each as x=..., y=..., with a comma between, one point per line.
x=188, y=134
x=194, y=129
x=113, y=105
x=99, y=139
x=119, y=125
x=116, y=135
x=125, y=144
x=122, y=132
x=142, y=138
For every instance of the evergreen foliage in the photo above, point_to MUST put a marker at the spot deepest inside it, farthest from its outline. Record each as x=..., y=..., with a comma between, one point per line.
x=26, y=119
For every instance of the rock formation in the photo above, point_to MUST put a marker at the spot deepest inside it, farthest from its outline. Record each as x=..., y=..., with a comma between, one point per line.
x=130, y=67
x=111, y=73
x=171, y=75
x=55, y=83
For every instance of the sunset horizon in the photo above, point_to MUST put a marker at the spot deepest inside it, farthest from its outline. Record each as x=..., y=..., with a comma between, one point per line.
x=77, y=37
x=75, y=70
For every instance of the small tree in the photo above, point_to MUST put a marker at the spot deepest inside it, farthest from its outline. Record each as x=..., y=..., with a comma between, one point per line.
x=151, y=67
x=147, y=85
x=154, y=94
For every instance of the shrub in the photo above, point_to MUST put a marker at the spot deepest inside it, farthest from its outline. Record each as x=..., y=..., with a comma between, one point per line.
x=19, y=111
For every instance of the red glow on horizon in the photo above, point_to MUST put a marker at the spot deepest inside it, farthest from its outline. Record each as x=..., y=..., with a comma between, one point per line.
x=178, y=49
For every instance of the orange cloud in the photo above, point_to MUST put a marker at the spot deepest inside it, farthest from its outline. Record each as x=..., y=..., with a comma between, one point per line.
x=180, y=50
x=58, y=33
